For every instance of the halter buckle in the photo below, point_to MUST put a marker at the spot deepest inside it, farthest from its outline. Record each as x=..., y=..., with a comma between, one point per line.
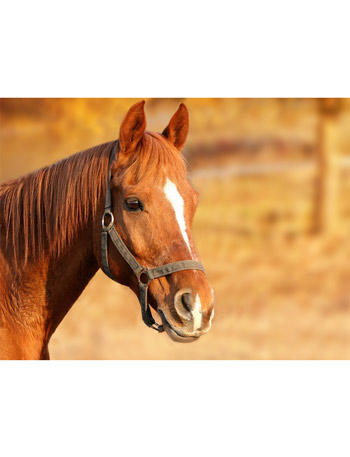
x=111, y=222
x=158, y=327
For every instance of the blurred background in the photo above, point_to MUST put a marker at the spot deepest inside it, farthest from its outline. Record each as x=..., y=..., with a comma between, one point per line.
x=272, y=226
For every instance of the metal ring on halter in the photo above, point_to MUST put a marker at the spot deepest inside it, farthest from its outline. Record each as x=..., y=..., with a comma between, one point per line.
x=110, y=214
x=143, y=277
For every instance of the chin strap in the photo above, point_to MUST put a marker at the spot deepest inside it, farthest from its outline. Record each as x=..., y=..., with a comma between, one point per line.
x=143, y=274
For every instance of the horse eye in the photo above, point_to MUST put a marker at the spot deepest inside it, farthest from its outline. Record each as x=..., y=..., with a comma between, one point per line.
x=133, y=204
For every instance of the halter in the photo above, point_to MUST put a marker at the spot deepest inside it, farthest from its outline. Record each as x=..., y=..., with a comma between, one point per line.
x=143, y=274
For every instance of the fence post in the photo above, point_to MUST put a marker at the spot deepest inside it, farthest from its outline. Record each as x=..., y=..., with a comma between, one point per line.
x=326, y=213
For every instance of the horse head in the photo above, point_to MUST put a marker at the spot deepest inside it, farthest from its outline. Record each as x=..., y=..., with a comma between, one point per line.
x=153, y=205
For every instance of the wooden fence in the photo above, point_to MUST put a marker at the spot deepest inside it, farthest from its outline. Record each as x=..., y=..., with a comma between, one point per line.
x=325, y=168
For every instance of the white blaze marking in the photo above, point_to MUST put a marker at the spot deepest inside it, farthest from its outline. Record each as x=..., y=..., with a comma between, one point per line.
x=174, y=197
x=176, y=201
x=197, y=313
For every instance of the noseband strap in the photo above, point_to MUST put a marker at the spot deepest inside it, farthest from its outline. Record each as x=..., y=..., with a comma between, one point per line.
x=143, y=274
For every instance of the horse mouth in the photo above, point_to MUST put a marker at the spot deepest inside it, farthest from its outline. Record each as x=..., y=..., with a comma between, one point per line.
x=174, y=333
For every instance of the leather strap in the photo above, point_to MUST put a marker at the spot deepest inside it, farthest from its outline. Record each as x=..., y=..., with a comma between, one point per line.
x=143, y=274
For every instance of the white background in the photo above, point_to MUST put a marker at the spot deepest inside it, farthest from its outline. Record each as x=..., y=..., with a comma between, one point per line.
x=183, y=48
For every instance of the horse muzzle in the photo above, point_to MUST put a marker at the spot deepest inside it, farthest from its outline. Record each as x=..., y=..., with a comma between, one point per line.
x=194, y=321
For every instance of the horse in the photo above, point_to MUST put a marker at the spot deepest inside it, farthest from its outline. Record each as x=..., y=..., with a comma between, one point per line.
x=52, y=241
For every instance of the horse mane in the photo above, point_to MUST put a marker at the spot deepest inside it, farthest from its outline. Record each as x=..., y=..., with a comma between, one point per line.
x=43, y=211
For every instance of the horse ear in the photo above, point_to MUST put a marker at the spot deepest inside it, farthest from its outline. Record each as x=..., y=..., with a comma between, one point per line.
x=132, y=128
x=177, y=130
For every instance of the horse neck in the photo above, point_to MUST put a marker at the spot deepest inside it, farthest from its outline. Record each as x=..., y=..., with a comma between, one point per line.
x=35, y=300
x=37, y=297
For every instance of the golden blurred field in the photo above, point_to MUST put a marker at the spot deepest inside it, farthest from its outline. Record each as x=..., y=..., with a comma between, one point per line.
x=282, y=289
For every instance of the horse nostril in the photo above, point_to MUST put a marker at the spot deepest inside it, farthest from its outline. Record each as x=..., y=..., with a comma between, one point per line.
x=187, y=301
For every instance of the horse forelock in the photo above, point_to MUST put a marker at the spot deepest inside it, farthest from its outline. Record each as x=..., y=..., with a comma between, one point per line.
x=155, y=160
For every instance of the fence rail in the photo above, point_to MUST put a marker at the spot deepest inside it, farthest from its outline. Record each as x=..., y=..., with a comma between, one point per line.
x=262, y=168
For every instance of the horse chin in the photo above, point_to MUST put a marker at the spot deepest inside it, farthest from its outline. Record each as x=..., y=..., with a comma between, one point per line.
x=178, y=338
x=175, y=335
